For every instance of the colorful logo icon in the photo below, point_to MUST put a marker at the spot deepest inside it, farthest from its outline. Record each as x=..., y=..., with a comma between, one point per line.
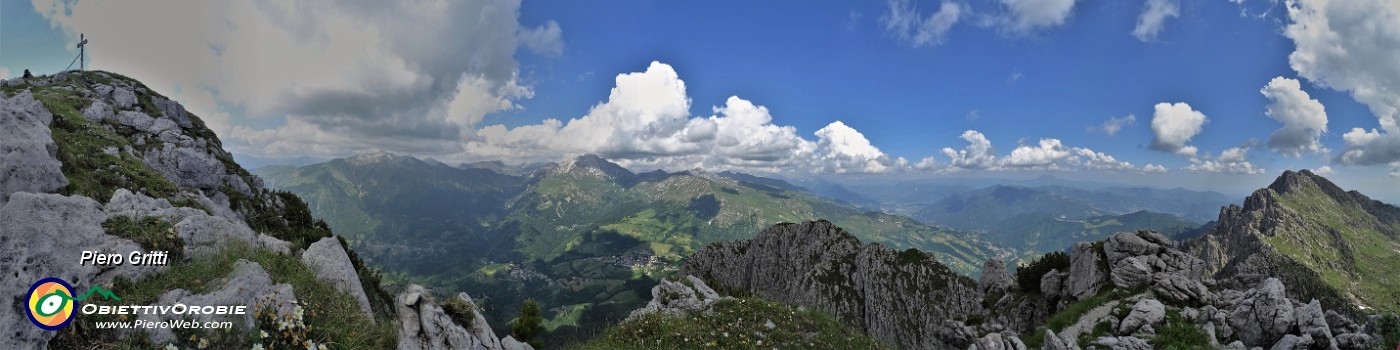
x=51, y=303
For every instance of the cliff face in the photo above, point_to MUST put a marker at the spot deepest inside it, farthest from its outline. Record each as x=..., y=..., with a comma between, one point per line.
x=1323, y=242
x=905, y=298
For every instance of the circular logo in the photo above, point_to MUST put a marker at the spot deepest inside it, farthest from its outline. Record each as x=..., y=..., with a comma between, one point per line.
x=51, y=303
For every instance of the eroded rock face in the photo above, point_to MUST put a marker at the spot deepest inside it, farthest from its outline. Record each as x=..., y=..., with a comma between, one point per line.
x=137, y=206
x=900, y=298
x=205, y=234
x=1313, y=322
x=1053, y=342
x=28, y=154
x=1146, y=315
x=1120, y=343
x=328, y=260
x=1087, y=271
x=1146, y=258
x=423, y=325
x=247, y=285
x=1264, y=315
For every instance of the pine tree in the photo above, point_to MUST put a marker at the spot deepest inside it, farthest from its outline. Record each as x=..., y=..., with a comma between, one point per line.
x=528, y=327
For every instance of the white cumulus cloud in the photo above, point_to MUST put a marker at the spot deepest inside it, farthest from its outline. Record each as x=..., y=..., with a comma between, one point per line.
x=1046, y=154
x=547, y=39
x=1113, y=124
x=408, y=76
x=1153, y=168
x=1304, y=119
x=1352, y=46
x=1174, y=124
x=846, y=150
x=1231, y=161
x=978, y=154
x=1154, y=15
x=1324, y=170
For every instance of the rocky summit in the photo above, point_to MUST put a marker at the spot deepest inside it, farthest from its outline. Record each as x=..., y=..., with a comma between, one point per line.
x=94, y=161
x=1134, y=290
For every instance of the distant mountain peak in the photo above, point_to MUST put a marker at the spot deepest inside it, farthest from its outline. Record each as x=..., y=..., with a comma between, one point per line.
x=1291, y=182
x=594, y=162
x=378, y=157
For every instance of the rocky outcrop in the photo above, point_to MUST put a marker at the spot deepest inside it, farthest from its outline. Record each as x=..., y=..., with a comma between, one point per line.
x=1053, y=342
x=1087, y=271
x=1146, y=258
x=678, y=297
x=28, y=154
x=903, y=298
x=1146, y=315
x=423, y=325
x=1262, y=315
x=247, y=285
x=1120, y=343
x=994, y=276
x=204, y=234
x=328, y=260
x=996, y=341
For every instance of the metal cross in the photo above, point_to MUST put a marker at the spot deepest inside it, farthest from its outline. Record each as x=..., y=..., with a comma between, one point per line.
x=81, y=43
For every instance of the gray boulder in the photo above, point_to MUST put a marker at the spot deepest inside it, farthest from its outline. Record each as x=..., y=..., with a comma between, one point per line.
x=1293, y=342
x=1130, y=272
x=1357, y=341
x=1087, y=271
x=97, y=111
x=1051, y=284
x=205, y=234
x=41, y=237
x=995, y=341
x=1146, y=314
x=28, y=154
x=1264, y=315
x=1120, y=343
x=1123, y=245
x=1180, y=288
x=144, y=123
x=1312, y=321
x=137, y=205
x=173, y=111
x=1053, y=342
x=677, y=297
x=247, y=285
x=186, y=166
x=994, y=276
x=123, y=98
x=330, y=263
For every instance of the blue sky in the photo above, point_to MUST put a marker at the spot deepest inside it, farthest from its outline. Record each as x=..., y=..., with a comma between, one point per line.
x=552, y=73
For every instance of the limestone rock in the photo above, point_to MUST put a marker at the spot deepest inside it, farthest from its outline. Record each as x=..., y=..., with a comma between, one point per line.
x=423, y=325
x=186, y=166
x=41, y=237
x=1087, y=271
x=1312, y=321
x=205, y=234
x=1051, y=284
x=1131, y=273
x=123, y=98
x=1293, y=342
x=1357, y=341
x=143, y=122
x=675, y=298
x=994, y=276
x=995, y=341
x=1179, y=288
x=1053, y=342
x=1264, y=315
x=173, y=111
x=248, y=285
x=816, y=264
x=137, y=205
x=328, y=260
x=97, y=111
x=1146, y=313
x=1120, y=343
x=28, y=154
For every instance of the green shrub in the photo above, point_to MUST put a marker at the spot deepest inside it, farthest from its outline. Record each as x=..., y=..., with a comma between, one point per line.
x=1178, y=333
x=912, y=256
x=461, y=311
x=1388, y=330
x=1028, y=275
